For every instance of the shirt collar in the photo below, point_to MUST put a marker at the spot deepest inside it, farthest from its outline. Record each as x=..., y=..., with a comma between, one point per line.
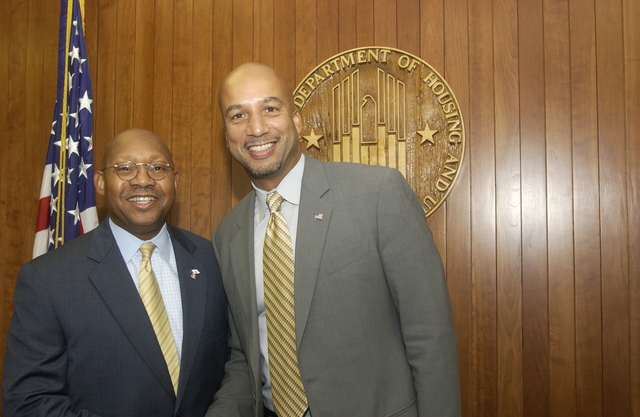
x=289, y=188
x=129, y=244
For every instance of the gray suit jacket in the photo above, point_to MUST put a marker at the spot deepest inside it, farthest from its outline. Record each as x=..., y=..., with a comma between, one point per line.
x=80, y=341
x=374, y=326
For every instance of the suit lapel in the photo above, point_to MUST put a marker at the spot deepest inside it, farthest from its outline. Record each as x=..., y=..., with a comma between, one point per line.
x=311, y=236
x=243, y=269
x=193, y=292
x=113, y=281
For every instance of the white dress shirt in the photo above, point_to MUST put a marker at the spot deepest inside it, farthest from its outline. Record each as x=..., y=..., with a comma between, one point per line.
x=163, y=262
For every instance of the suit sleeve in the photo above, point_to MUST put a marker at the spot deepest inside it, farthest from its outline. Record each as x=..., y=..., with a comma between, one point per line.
x=34, y=377
x=418, y=286
x=234, y=398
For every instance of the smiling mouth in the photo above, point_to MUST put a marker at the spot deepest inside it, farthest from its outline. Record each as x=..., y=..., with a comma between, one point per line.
x=142, y=200
x=260, y=148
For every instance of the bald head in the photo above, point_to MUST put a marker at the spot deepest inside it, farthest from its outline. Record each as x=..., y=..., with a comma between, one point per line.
x=134, y=138
x=244, y=76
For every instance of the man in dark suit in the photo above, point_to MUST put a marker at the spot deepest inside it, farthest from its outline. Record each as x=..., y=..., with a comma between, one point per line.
x=81, y=342
x=374, y=333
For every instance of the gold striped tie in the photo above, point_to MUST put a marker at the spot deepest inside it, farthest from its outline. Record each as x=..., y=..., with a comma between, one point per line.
x=289, y=399
x=152, y=300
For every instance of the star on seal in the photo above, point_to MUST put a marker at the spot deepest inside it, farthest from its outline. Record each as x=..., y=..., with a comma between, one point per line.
x=312, y=139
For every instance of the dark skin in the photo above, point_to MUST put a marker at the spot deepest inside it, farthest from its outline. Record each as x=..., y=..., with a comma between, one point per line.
x=262, y=124
x=141, y=205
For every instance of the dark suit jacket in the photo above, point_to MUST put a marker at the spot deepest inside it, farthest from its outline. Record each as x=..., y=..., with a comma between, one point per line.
x=374, y=326
x=80, y=341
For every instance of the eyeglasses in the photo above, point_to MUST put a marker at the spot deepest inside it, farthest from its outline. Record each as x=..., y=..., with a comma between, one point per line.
x=128, y=170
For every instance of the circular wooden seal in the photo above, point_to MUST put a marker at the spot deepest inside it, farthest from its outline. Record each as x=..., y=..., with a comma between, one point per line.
x=384, y=106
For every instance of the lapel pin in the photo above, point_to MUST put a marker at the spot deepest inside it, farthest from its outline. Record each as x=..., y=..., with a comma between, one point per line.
x=194, y=272
x=317, y=216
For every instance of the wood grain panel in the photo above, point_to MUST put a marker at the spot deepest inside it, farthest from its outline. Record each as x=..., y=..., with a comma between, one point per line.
x=365, y=26
x=432, y=14
x=125, y=64
x=535, y=316
x=613, y=210
x=243, y=12
x=104, y=78
x=508, y=205
x=347, y=27
x=385, y=25
x=408, y=23
x=202, y=110
x=458, y=238
x=221, y=187
x=263, y=32
x=328, y=29
x=631, y=13
x=540, y=235
x=182, y=110
x=306, y=35
x=163, y=83
x=586, y=211
x=559, y=201
x=143, y=64
x=484, y=378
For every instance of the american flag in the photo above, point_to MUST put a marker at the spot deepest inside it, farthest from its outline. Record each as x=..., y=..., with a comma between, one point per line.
x=67, y=201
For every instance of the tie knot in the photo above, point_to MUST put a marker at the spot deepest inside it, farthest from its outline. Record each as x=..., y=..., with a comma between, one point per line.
x=274, y=200
x=146, y=251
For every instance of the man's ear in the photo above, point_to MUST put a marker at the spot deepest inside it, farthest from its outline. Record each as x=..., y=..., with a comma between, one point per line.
x=98, y=182
x=297, y=120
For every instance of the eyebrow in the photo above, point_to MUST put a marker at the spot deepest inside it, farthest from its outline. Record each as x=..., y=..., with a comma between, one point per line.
x=264, y=101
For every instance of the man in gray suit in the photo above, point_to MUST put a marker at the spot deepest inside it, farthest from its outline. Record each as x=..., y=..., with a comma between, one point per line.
x=81, y=342
x=374, y=332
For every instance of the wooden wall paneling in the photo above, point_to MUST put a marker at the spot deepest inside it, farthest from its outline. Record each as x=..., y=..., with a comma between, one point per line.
x=284, y=39
x=15, y=147
x=365, y=24
x=631, y=14
x=481, y=154
x=244, y=18
x=432, y=21
x=385, y=24
x=221, y=187
x=6, y=291
x=243, y=29
x=613, y=209
x=408, y=23
x=202, y=103
x=263, y=32
x=103, y=81
x=328, y=30
x=143, y=64
x=163, y=82
x=508, y=208
x=586, y=209
x=458, y=250
x=559, y=206
x=125, y=41
x=432, y=17
x=306, y=34
x=35, y=139
x=535, y=317
x=347, y=27
x=181, y=111
x=569, y=89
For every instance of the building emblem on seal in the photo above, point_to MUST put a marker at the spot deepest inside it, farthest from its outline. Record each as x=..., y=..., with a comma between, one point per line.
x=383, y=106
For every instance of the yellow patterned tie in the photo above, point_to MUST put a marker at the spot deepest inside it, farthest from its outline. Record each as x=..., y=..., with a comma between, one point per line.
x=289, y=399
x=152, y=300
